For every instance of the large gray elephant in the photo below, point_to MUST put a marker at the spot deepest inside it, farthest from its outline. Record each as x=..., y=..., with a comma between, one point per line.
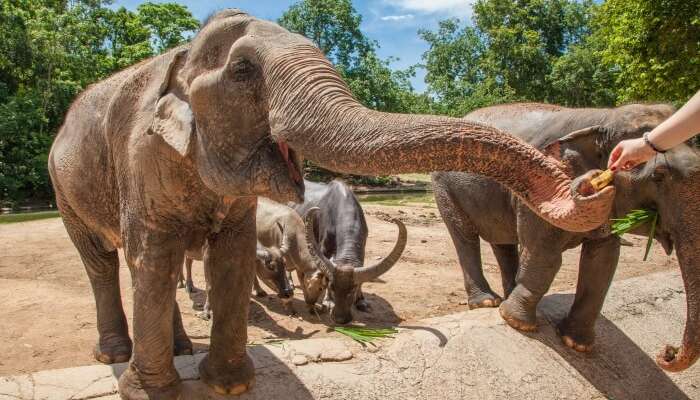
x=170, y=155
x=476, y=207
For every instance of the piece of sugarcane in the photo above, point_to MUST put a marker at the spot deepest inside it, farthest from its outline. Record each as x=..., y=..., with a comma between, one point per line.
x=602, y=180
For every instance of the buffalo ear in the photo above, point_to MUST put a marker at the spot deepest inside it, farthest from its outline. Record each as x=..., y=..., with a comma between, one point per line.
x=173, y=119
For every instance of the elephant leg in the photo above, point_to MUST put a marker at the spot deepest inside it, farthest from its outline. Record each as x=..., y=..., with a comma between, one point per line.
x=102, y=266
x=466, y=241
x=229, y=258
x=540, y=260
x=508, y=261
x=189, y=284
x=259, y=291
x=535, y=276
x=205, y=314
x=154, y=259
x=182, y=342
x=596, y=269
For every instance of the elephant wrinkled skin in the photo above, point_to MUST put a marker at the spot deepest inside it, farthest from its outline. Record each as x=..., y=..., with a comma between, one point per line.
x=169, y=155
x=475, y=207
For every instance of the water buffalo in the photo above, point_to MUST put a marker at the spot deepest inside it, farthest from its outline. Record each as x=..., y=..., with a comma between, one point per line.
x=340, y=229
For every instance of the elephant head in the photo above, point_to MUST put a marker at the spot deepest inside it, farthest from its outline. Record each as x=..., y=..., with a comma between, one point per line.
x=247, y=98
x=271, y=269
x=344, y=280
x=669, y=184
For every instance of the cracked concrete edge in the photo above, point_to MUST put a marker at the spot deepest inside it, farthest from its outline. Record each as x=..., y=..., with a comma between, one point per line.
x=466, y=355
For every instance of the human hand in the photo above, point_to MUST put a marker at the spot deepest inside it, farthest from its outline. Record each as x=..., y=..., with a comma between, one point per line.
x=630, y=153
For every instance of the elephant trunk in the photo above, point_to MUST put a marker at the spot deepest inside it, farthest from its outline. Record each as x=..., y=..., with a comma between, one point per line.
x=368, y=273
x=312, y=110
x=678, y=359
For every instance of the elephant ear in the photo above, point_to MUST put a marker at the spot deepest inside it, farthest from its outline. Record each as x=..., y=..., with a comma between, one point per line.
x=555, y=148
x=173, y=119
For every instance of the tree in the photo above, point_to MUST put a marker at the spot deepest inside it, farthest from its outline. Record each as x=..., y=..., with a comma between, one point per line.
x=524, y=38
x=455, y=70
x=655, y=46
x=579, y=78
x=508, y=54
x=49, y=51
x=168, y=22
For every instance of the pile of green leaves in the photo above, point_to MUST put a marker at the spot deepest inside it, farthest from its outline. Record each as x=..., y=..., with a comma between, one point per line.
x=365, y=335
x=635, y=219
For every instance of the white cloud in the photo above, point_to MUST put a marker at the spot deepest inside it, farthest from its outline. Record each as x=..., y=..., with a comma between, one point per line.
x=397, y=17
x=451, y=7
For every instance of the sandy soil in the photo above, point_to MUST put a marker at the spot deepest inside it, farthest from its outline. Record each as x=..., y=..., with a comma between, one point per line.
x=48, y=316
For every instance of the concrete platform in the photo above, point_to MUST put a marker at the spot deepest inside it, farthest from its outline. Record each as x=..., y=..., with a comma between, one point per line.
x=471, y=355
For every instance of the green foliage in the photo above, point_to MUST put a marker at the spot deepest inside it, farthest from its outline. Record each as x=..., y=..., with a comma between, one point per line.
x=365, y=335
x=49, y=52
x=635, y=219
x=654, y=45
x=167, y=22
x=512, y=52
x=25, y=217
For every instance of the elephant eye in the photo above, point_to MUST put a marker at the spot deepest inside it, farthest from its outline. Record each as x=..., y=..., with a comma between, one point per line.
x=241, y=69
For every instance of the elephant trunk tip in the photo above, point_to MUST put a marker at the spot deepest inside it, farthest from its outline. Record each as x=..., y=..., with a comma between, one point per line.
x=575, y=208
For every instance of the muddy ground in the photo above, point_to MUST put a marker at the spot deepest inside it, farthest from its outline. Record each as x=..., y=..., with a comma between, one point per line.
x=48, y=318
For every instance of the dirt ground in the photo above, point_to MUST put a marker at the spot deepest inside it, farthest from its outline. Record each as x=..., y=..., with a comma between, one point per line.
x=48, y=318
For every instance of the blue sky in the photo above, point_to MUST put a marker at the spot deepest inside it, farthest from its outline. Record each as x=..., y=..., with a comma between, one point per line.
x=393, y=23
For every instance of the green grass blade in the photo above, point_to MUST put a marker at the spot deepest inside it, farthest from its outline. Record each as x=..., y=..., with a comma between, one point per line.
x=365, y=335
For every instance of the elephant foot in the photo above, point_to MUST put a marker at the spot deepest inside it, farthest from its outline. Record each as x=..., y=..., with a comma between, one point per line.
x=363, y=305
x=577, y=339
x=180, y=284
x=517, y=316
x=132, y=388
x=228, y=378
x=189, y=287
x=484, y=300
x=116, y=351
x=183, y=347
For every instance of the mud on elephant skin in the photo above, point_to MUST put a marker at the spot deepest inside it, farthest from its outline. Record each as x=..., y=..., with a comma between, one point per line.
x=168, y=156
x=475, y=207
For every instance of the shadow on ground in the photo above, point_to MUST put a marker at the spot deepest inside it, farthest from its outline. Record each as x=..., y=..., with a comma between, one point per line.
x=273, y=378
x=617, y=367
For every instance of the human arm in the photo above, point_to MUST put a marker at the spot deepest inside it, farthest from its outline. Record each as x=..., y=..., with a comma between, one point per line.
x=681, y=126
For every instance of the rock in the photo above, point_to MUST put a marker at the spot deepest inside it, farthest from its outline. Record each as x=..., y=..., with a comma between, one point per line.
x=299, y=360
x=423, y=241
x=318, y=350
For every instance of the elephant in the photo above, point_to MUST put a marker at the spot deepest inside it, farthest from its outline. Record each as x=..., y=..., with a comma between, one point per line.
x=169, y=156
x=475, y=207
x=340, y=229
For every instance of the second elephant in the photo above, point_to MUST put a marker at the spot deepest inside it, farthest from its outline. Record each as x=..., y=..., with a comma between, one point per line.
x=475, y=207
